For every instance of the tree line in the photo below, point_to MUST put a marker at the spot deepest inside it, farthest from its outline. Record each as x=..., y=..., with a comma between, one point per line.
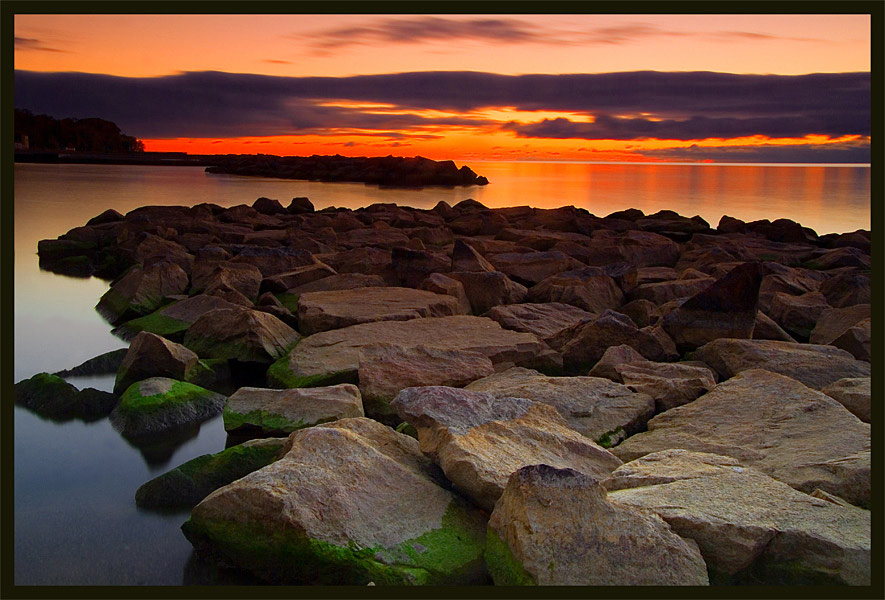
x=83, y=135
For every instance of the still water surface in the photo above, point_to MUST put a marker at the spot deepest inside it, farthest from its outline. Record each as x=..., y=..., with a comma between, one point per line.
x=75, y=515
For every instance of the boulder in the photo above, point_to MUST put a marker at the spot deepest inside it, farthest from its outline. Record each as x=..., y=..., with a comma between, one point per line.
x=766, y=329
x=153, y=248
x=142, y=290
x=797, y=314
x=273, y=261
x=857, y=340
x=485, y=290
x=266, y=412
x=531, y=268
x=556, y=527
x=814, y=365
x=789, y=431
x=412, y=266
x=750, y=528
x=297, y=277
x=52, y=397
x=366, y=261
x=642, y=312
x=186, y=485
x=340, y=508
x=442, y=284
x=840, y=257
x=103, y=364
x=333, y=356
x=155, y=405
x=240, y=334
x=385, y=369
x=669, y=384
x=833, y=322
x=545, y=320
x=589, y=289
x=465, y=258
x=854, y=394
x=342, y=281
x=322, y=311
x=300, y=205
x=479, y=440
x=611, y=358
x=269, y=206
x=664, y=291
x=174, y=319
x=725, y=309
x=604, y=411
x=847, y=289
x=212, y=276
x=150, y=355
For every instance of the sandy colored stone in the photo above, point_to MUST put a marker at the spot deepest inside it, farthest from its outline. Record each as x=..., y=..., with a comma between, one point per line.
x=588, y=289
x=854, y=394
x=611, y=358
x=150, y=355
x=442, y=284
x=791, y=432
x=479, y=440
x=797, y=314
x=283, y=411
x=814, y=365
x=857, y=340
x=340, y=508
x=766, y=329
x=556, y=527
x=669, y=384
x=600, y=409
x=241, y=334
x=746, y=524
x=487, y=289
x=547, y=320
x=833, y=322
x=323, y=311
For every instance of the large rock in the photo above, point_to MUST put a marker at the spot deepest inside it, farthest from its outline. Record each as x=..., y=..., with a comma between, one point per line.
x=342, y=281
x=795, y=434
x=385, y=369
x=766, y=329
x=333, y=356
x=240, y=334
x=857, y=340
x=211, y=276
x=187, y=484
x=174, y=319
x=725, y=309
x=847, y=289
x=814, y=365
x=479, y=440
x=442, y=284
x=556, y=527
x=322, y=311
x=547, y=321
x=412, y=266
x=669, y=384
x=340, y=508
x=487, y=289
x=278, y=412
x=749, y=527
x=52, y=397
x=589, y=289
x=530, y=268
x=142, y=290
x=103, y=364
x=150, y=355
x=833, y=322
x=798, y=315
x=466, y=258
x=272, y=261
x=854, y=394
x=600, y=409
x=282, y=282
x=158, y=404
x=661, y=292
x=611, y=358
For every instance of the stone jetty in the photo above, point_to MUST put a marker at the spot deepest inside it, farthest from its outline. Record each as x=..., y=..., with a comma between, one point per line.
x=473, y=396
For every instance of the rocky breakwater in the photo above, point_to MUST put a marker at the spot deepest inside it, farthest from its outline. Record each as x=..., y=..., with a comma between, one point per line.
x=508, y=396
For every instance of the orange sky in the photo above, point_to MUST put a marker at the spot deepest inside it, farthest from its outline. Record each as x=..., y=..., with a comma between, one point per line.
x=346, y=45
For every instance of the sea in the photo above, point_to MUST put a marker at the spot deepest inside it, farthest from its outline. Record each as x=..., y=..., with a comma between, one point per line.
x=75, y=519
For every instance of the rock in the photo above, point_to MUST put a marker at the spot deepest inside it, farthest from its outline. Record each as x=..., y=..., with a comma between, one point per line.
x=268, y=206
x=613, y=329
x=103, y=364
x=156, y=405
x=791, y=432
x=530, y=268
x=465, y=258
x=142, y=290
x=385, y=369
x=108, y=216
x=300, y=205
x=411, y=267
x=847, y=289
x=366, y=261
x=297, y=277
x=669, y=384
x=611, y=358
x=442, y=284
x=642, y=312
x=814, y=365
x=52, y=397
x=210, y=276
x=186, y=485
x=766, y=329
x=273, y=261
x=150, y=355
x=240, y=334
x=854, y=394
x=556, y=527
x=840, y=257
x=588, y=289
x=597, y=408
x=485, y=222
x=333, y=356
x=485, y=290
x=322, y=311
x=546, y=320
x=857, y=340
x=278, y=412
x=174, y=318
x=339, y=508
x=797, y=314
x=479, y=440
x=665, y=291
x=726, y=309
x=342, y=281
x=833, y=322
x=749, y=527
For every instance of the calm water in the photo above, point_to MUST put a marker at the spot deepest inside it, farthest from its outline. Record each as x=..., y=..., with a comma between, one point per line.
x=75, y=515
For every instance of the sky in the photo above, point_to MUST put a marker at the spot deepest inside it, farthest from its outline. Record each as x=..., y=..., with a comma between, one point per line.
x=700, y=88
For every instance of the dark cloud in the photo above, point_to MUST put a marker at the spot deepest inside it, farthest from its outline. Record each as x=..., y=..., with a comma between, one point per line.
x=680, y=105
x=23, y=43
x=838, y=152
x=274, y=61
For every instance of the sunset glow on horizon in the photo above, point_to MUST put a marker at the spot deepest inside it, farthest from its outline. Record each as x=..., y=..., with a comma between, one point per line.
x=701, y=88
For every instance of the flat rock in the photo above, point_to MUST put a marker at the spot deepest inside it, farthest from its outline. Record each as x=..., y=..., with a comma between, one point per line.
x=669, y=384
x=158, y=404
x=661, y=292
x=323, y=311
x=333, y=356
x=749, y=527
x=240, y=334
x=278, y=412
x=342, y=281
x=385, y=369
x=600, y=409
x=530, y=268
x=814, y=365
x=479, y=440
x=340, y=508
x=847, y=289
x=273, y=261
x=791, y=432
x=546, y=320
x=150, y=355
x=282, y=282
x=556, y=527
x=854, y=394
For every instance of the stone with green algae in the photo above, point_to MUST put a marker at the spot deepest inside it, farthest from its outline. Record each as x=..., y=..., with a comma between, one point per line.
x=173, y=320
x=158, y=404
x=284, y=411
x=340, y=508
x=52, y=397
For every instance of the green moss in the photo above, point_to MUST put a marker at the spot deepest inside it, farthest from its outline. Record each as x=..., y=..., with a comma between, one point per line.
x=502, y=565
x=451, y=554
x=265, y=420
x=610, y=438
x=280, y=376
x=407, y=429
x=289, y=301
x=156, y=322
x=180, y=393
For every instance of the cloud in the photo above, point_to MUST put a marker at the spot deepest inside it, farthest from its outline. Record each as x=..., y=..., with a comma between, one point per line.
x=275, y=61
x=837, y=152
x=678, y=105
x=23, y=43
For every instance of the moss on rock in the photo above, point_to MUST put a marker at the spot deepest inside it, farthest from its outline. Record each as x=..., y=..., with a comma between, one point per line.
x=502, y=565
x=280, y=376
x=158, y=403
x=156, y=322
x=267, y=421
